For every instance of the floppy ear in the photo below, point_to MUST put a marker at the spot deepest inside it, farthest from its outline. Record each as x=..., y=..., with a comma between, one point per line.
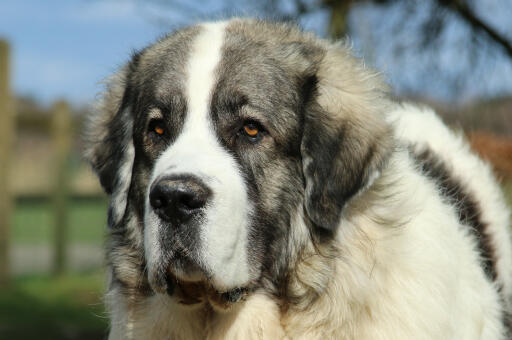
x=109, y=144
x=345, y=140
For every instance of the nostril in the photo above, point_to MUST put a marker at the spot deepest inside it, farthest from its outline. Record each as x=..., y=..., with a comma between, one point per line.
x=157, y=202
x=192, y=199
x=157, y=198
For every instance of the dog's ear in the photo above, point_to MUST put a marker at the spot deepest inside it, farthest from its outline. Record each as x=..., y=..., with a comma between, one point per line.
x=109, y=143
x=345, y=140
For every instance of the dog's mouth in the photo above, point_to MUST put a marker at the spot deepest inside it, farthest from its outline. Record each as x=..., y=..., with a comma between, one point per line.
x=190, y=285
x=194, y=293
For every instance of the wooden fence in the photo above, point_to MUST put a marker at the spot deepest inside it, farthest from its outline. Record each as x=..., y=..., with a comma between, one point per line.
x=58, y=127
x=61, y=129
x=6, y=136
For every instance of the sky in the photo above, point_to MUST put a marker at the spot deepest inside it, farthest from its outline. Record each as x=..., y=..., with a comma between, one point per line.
x=62, y=49
x=447, y=72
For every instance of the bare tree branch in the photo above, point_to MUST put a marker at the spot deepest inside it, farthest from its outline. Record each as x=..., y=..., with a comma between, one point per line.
x=463, y=10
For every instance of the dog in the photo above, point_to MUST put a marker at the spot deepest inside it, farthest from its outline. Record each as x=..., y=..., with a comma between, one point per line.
x=263, y=185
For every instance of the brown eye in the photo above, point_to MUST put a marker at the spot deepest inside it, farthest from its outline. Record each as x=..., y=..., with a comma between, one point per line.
x=252, y=132
x=159, y=130
x=251, y=129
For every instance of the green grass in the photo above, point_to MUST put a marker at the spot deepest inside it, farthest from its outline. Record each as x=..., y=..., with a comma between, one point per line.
x=33, y=222
x=44, y=307
x=507, y=189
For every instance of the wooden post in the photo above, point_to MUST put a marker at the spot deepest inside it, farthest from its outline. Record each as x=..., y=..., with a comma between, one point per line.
x=62, y=138
x=338, y=23
x=6, y=136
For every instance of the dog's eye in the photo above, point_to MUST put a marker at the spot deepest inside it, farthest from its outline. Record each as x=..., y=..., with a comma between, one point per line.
x=157, y=127
x=159, y=130
x=252, y=131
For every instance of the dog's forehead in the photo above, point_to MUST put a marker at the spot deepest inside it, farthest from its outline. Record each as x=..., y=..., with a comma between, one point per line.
x=249, y=67
x=162, y=65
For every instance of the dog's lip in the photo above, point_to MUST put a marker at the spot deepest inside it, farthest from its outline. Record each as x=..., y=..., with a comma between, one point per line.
x=192, y=293
x=199, y=288
x=165, y=274
x=195, y=285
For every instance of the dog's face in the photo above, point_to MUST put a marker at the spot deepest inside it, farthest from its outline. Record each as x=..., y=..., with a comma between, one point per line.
x=215, y=137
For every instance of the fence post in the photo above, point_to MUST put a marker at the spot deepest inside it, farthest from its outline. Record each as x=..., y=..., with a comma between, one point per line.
x=6, y=136
x=61, y=130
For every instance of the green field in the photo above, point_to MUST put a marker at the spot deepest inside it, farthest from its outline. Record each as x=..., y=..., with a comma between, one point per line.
x=44, y=307
x=507, y=189
x=32, y=222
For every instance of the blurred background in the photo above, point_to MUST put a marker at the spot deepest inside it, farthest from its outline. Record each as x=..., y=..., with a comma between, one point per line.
x=455, y=55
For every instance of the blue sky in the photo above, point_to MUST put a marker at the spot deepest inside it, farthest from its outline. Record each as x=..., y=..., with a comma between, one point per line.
x=64, y=48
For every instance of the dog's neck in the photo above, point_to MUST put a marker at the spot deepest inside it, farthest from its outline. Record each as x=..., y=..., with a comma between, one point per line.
x=160, y=317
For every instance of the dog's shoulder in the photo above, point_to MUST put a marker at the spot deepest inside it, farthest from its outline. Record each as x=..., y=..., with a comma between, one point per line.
x=464, y=180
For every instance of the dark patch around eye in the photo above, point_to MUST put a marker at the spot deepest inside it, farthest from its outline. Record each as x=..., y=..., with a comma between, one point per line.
x=157, y=127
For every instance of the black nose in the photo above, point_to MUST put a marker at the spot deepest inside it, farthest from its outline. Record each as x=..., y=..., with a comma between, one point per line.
x=176, y=199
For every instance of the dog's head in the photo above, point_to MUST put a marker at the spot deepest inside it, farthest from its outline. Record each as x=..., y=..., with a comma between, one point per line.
x=217, y=135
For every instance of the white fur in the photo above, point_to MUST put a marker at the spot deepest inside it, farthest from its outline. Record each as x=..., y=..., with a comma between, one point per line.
x=223, y=246
x=423, y=127
x=152, y=247
x=406, y=270
x=120, y=194
x=161, y=318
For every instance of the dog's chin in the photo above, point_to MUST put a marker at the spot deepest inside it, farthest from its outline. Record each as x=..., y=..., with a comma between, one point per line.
x=193, y=294
x=185, y=269
x=190, y=286
x=165, y=274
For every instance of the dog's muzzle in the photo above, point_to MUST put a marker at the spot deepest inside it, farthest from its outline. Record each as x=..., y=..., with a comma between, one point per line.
x=180, y=202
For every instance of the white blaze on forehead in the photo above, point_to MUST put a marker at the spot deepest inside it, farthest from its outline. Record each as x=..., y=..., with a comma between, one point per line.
x=205, y=55
x=197, y=152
